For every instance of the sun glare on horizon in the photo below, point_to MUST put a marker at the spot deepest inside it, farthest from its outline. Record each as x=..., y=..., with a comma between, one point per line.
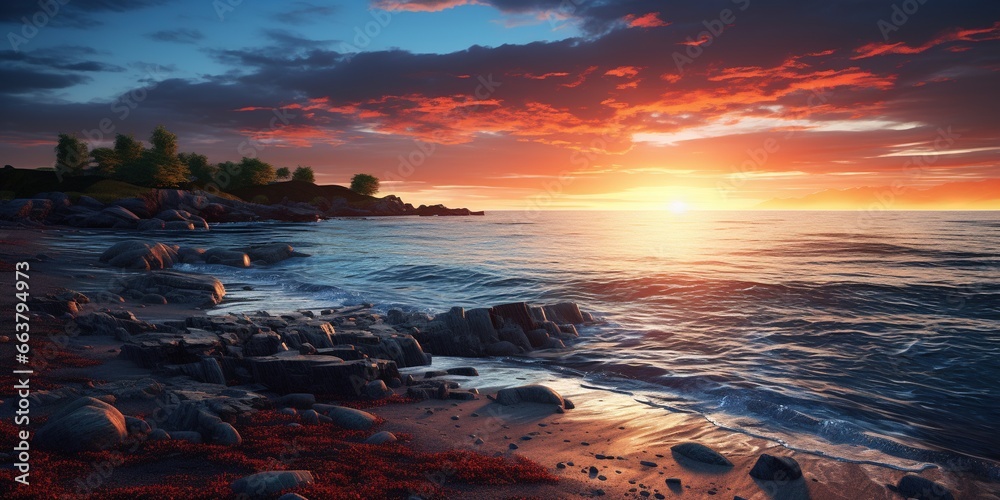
x=678, y=207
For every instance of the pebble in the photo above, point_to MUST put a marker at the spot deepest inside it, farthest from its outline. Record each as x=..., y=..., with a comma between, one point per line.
x=560, y=465
x=512, y=446
x=675, y=481
x=647, y=463
x=602, y=477
x=454, y=417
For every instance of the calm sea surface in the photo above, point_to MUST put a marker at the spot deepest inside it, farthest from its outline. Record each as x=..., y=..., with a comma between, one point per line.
x=829, y=331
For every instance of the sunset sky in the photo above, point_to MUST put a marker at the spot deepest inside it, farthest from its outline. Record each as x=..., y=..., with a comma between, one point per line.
x=536, y=104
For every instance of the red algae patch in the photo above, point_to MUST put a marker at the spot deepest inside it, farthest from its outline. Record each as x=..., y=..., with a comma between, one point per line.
x=344, y=467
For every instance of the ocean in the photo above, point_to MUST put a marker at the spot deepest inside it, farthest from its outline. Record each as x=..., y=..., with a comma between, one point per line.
x=868, y=337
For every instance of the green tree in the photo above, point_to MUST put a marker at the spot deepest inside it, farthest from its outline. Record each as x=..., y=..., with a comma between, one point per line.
x=158, y=166
x=202, y=171
x=128, y=150
x=304, y=174
x=168, y=171
x=164, y=141
x=283, y=173
x=251, y=172
x=105, y=161
x=71, y=154
x=365, y=184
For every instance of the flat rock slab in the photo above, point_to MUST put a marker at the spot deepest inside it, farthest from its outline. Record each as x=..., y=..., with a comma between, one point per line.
x=177, y=287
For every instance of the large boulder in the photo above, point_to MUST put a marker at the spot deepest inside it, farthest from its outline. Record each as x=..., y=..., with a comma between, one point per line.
x=137, y=254
x=86, y=424
x=529, y=394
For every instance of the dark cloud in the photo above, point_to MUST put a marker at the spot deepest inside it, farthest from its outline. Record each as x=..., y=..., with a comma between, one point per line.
x=179, y=35
x=74, y=14
x=768, y=65
x=20, y=81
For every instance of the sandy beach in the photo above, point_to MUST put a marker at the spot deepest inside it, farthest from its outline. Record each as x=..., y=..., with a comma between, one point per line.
x=609, y=445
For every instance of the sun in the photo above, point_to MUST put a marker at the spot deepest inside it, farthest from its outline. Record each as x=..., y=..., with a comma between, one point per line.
x=678, y=207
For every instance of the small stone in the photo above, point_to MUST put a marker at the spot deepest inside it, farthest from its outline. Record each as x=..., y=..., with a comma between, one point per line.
x=454, y=417
x=560, y=465
x=647, y=463
x=512, y=446
x=381, y=438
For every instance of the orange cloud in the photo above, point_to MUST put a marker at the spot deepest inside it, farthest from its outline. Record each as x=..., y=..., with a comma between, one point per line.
x=957, y=35
x=651, y=20
x=421, y=5
x=623, y=71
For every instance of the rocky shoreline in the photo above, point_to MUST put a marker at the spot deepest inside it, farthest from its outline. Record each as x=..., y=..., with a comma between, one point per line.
x=180, y=210
x=221, y=385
